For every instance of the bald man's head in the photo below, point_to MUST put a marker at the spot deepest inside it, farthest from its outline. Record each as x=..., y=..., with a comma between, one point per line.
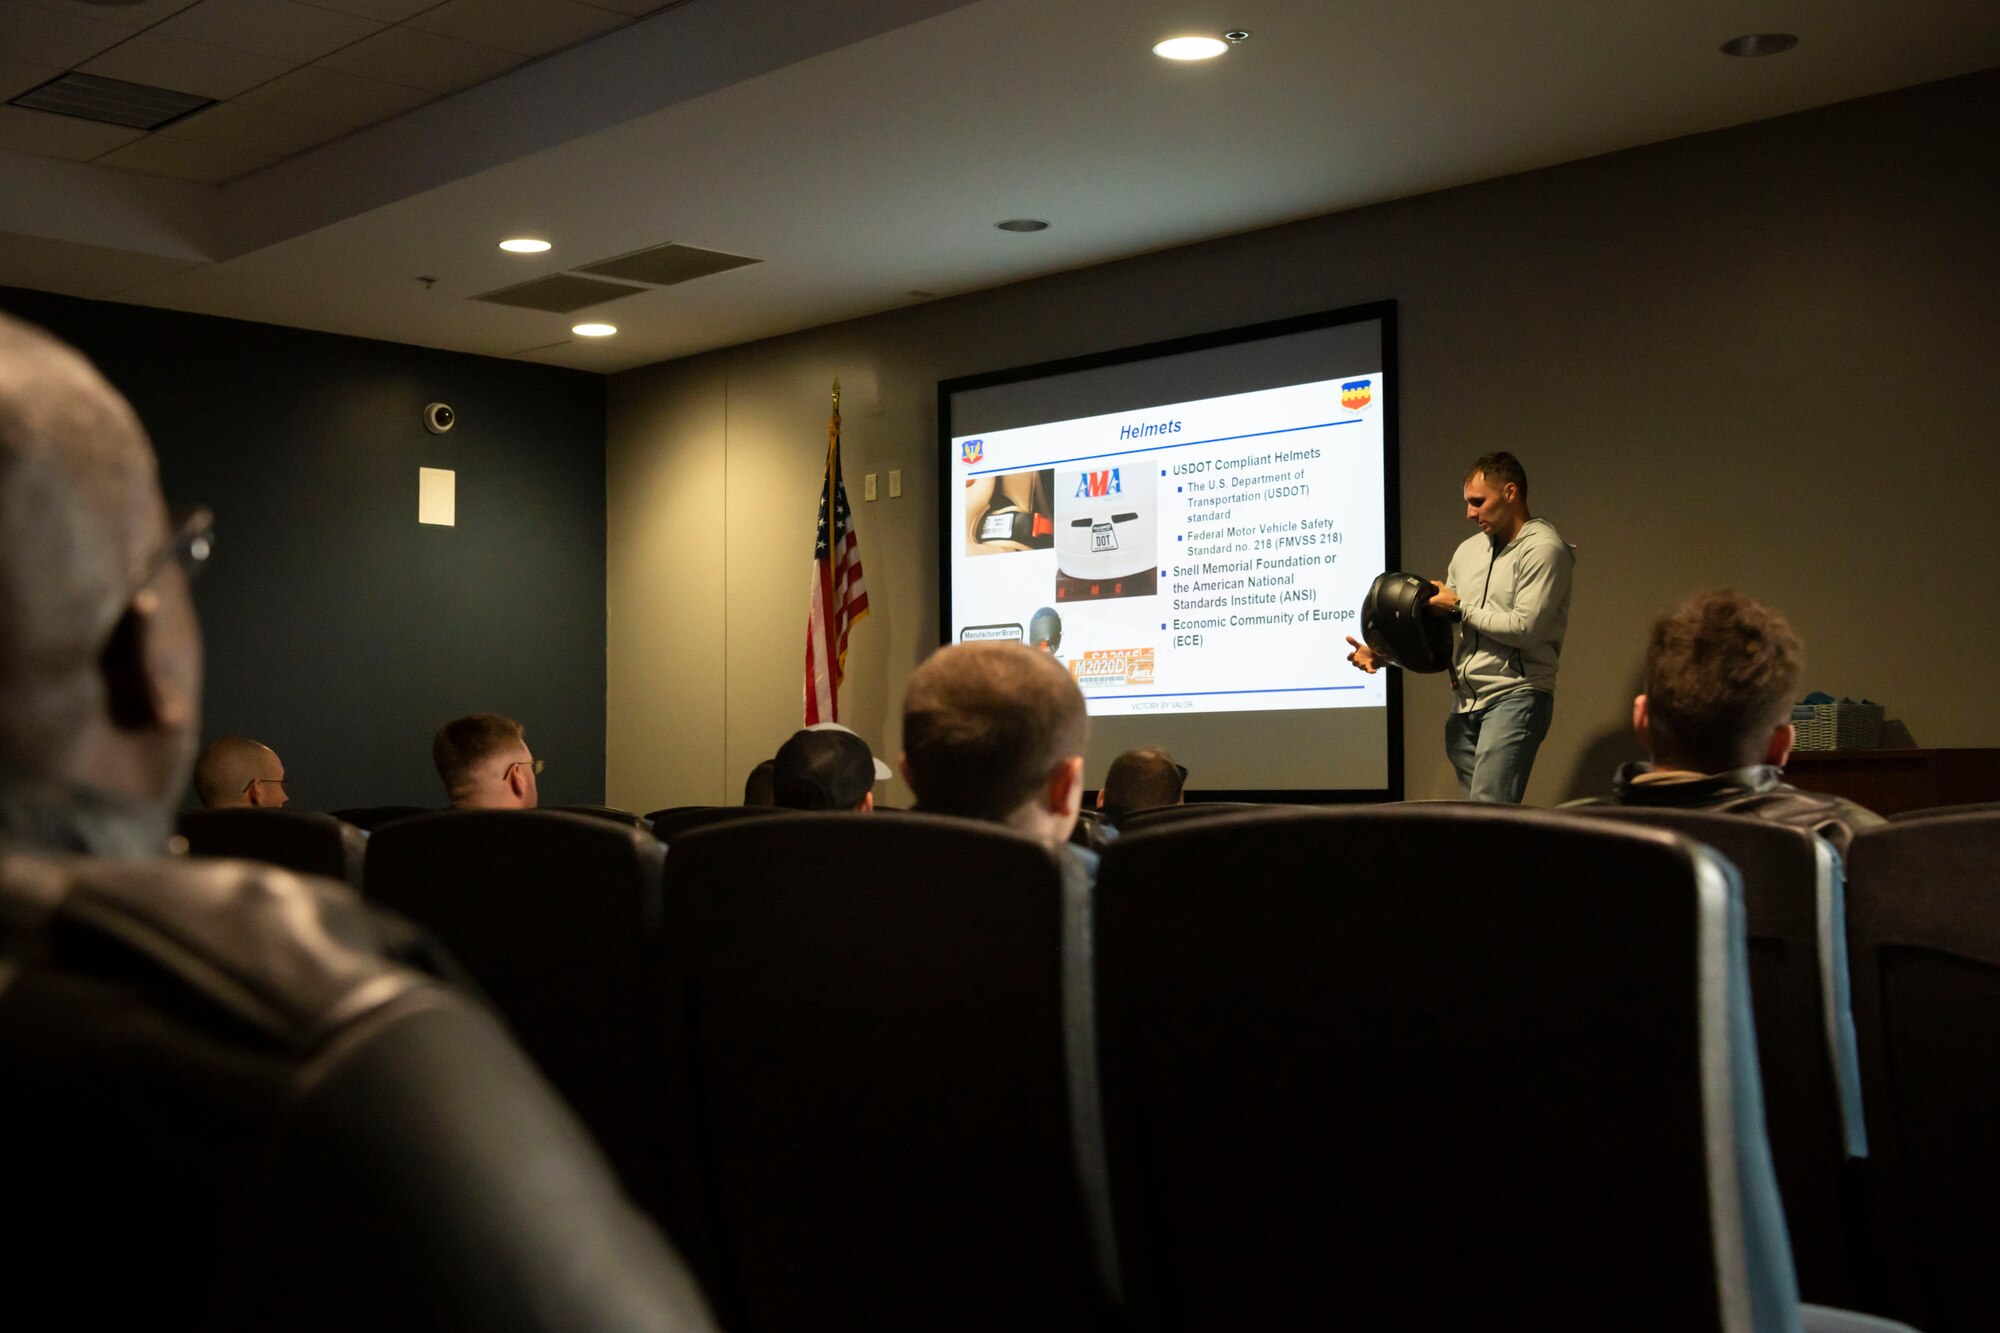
x=99, y=665
x=237, y=771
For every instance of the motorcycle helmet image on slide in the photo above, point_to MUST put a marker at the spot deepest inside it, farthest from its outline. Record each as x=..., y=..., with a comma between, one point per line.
x=1045, y=630
x=1396, y=622
x=1105, y=534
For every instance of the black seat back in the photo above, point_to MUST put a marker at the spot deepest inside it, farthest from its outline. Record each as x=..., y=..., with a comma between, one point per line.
x=1947, y=811
x=1924, y=936
x=557, y=918
x=1795, y=918
x=1426, y=1068
x=670, y=824
x=1160, y=816
x=610, y=812
x=312, y=844
x=372, y=817
x=870, y=1009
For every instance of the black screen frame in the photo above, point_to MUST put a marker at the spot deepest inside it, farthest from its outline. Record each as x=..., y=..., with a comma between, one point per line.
x=1392, y=503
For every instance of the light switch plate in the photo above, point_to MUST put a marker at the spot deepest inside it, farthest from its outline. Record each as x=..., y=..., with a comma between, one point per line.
x=868, y=487
x=895, y=483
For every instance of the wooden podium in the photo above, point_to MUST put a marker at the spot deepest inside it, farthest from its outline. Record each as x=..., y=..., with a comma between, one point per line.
x=1892, y=781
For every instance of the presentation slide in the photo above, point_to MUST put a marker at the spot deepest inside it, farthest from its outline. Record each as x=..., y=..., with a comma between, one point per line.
x=1191, y=532
x=1189, y=557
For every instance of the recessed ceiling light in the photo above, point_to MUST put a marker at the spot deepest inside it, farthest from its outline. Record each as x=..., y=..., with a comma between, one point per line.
x=1760, y=44
x=1022, y=224
x=524, y=245
x=593, y=330
x=1190, y=48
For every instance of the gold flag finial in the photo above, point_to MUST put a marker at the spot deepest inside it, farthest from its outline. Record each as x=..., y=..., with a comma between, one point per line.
x=836, y=393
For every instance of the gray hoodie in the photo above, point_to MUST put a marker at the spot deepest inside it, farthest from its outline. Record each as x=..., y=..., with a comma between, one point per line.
x=1516, y=604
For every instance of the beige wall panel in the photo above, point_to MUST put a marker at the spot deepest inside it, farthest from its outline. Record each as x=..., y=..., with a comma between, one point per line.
x=667, y=586
x=1761, y=357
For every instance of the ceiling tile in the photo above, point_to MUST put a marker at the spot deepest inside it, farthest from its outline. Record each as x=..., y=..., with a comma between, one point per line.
x=131, y=17
x=529, y=27
x=293, y=32
x=631, y=8
x=421, y=60
x=184, y=159
x=263, y=130
x=383, y=11
x=52, y=37
x=60, y=136
x=326, y=94
x=17, y=76
x=187, y=67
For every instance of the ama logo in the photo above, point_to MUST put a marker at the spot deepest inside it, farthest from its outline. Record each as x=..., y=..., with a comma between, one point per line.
x=1356, y=394
x=972, y=451
x=1097, y=485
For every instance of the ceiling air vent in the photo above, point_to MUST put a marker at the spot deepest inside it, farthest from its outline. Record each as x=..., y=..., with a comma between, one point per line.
x=112, y=101
x=559, y=294
x=665, y=265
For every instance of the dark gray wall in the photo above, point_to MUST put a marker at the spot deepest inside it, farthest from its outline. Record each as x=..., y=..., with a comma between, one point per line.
x=339, y=630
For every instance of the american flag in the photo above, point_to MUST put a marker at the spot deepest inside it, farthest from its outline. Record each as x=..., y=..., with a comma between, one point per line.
x=838, y=595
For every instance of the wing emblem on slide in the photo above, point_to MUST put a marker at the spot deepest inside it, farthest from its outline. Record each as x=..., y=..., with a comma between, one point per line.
x=972, y=451
x=1356, y=394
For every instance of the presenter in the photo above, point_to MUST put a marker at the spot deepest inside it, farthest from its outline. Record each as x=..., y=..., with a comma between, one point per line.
x=1507, y=591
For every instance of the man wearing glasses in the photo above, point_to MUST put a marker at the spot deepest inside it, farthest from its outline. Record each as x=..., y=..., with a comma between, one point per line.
x=228, y=1109
x=1140, y=780
x=239, y=773
x=484, y=763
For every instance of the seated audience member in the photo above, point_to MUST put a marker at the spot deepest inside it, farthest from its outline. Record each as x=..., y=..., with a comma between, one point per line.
x=757, y=787
x=484, y=763
x=824, y=770
x=239, y=772
x=227, y=1110
x=996, y=731
x=1140, y=780
x=882, y=771
x=1721, y=673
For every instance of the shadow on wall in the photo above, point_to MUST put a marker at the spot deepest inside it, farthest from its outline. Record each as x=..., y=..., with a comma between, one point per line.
x=1609, y=748
x=1599, y=761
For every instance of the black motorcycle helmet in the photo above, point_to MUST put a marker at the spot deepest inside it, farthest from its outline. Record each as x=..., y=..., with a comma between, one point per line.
x=1397, y=624
x=1045, y=630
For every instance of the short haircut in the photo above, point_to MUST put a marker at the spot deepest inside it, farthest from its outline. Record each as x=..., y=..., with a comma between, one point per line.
x=463, y=743
x=985, y=723
x=757, y=788
x=1140, y=780
x=225, y=768
x=1721, y=673
x=1499, y=469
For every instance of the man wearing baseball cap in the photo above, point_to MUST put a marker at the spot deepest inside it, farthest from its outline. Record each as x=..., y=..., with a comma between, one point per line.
x=826, y=767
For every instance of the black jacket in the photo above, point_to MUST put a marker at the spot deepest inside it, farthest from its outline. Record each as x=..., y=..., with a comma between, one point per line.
x=223, y=1108
x=1760, y=792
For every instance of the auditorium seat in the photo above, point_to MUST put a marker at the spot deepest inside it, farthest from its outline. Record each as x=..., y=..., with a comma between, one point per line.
x=1795, y=918
x=312, y=844
x=1924, y=933
x=672, y=823
x=1947, y=811
x=875, y=1104
x=1091, y=831
x=1160, y=816
x=610, y=812
x=1410, y=1067
x=372, y=817
x=557, y=918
